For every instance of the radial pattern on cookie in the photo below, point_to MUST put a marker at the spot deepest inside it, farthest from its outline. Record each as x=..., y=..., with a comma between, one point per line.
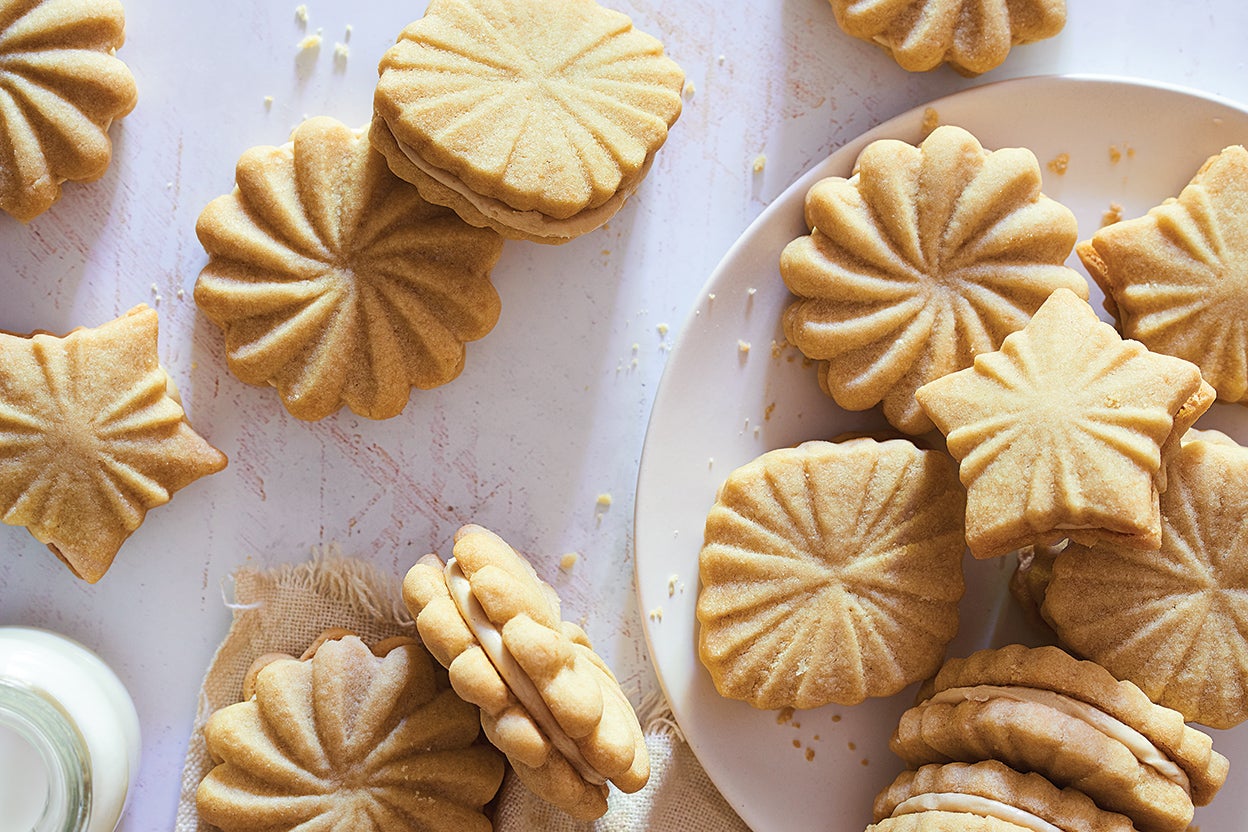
x=90, y=438
x=926, y=257
x=1171, y=621
x=1061, y=432
x=830, y=573
x=547, y=105
x=60, y=89
x=335, y=282
x=1177, y=278
x=973, y=36
x=347, y=740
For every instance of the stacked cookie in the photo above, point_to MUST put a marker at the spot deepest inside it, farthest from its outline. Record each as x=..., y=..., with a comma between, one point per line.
x=347, y=269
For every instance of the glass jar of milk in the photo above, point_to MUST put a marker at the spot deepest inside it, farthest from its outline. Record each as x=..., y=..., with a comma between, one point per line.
x=69, y=736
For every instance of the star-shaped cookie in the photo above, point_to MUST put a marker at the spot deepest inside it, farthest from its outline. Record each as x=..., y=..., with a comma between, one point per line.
x=91, y=437
x=1176, y=279
x=1064, y=432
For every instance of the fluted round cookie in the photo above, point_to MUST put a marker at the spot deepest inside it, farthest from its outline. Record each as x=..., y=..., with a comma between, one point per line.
x=972, y=36
x=547, y=700
x=921, y=260
x=1176, y=279
x=61, y=86
x=994, y=790
x=1039, y=709
x=537, y=118
x=92, y=437
x=1064, y=432
x=347, y=739
x=335, y=282
x=830, y=572
x=1171, y=621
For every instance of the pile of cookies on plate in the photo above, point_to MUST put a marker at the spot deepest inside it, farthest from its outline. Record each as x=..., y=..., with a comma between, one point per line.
x=932, y=283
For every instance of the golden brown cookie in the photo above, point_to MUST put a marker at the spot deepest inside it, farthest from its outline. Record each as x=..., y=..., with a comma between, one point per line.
x=1171, y=621
x=92, y=436
x=60, y=89
x=991, y=789
x=972, y=36
x=1176, y=279
x=346, y=739
x=1042, y=710
x=1064, y=432
x=547, y=700
x=831, y=572
x=537, y=118
x=335, y=282
x=922, y=259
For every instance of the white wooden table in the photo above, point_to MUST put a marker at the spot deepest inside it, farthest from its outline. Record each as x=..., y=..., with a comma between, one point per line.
x=551, y=410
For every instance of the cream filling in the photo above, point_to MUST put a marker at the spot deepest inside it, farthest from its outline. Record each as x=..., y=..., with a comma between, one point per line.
x=1144, y=750
x=530, y=222
x=522, y=687
x=971, y=804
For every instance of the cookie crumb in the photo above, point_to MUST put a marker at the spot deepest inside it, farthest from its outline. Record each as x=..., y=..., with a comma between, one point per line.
x=784, y=715
x=656, y=614
x=347, y=35
x=688, y=91
x=853, y=747
x=865, y=761
x=710, y=462
x=1115, y=155
x=568, y=561
x=743, y=347
x=1059, y=163
x=301, y=13
x=604, y=500
x=672, y=580
x=309, y=43
x=268, y=102
x=797, y=743
x=751, y=291
x=760, y=162
x=662, y=329
x=710, y=296
x=181, y=294
x=931, y=120
x=1111, y=216
x=771, y=408
x=810, y=754
x=777, y=347
x=341, y=52
x=836, y=717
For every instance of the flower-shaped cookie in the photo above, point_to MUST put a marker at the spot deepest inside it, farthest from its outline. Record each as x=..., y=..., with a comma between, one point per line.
x=547, y=700
x=91, y=437
x=1176, y=279
x=349, y=740
x=1065, y=432
x=60, y=89
x=1171, y=621
x=924, y=258
x=537, y=118
x=972, y=36
x=831, y=572
x=335, y=282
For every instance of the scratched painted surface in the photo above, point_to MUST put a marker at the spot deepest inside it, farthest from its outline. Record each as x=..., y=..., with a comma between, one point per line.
x=551, y=409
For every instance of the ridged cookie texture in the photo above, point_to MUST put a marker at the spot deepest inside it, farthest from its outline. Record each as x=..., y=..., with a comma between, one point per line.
x=972, y=36
x=347, y=739
x=1176, y=279
x=1039, y=709
x=1064, y=432
x=537, y=118
x=831, y=572
x=921, y=260
x=1171, y=621
x=547, y=700
x=335, y=282
x=993, y=789
x=92, y=436
x=61, y=86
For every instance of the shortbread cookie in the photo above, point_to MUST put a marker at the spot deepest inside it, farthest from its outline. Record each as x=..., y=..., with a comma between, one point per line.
x=1176, y=279
x=60, y=88
x=972, y=36
x=1171, y=621
x=1064, y=432
x=831, y=572
x=92, y=435
x=547, y=700
x=924, y=258
x=335, y=282
x=1042, y=710
x=349, y=739
x=537, y=118
x=991, y=789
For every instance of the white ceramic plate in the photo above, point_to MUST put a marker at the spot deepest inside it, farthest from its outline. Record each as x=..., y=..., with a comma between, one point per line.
x=719, y=406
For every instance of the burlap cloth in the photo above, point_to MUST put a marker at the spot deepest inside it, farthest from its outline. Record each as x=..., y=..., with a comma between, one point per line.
x=284, y=609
